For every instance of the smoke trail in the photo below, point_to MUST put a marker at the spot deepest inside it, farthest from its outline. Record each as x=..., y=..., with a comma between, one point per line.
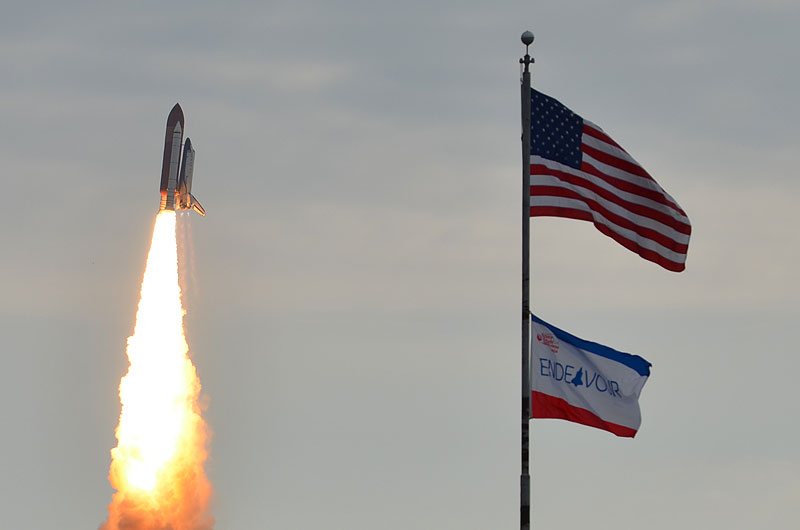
x=157, y=466
x=186, y=261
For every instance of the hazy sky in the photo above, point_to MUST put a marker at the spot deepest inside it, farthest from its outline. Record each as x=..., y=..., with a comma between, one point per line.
x=353, y=293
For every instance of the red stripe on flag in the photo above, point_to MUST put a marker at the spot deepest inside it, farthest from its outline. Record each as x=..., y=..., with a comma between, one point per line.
x=627, y=165
x=546, y=406
x=645, y=232
x=600, y=135
x=639, y=209
x=658, y=195
x=581, y=215
x=611, y=160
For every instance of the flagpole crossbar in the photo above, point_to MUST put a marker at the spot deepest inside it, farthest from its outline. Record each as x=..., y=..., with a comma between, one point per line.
x=527, y=40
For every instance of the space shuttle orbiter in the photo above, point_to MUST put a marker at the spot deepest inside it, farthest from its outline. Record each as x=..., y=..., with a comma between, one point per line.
x=176, y=170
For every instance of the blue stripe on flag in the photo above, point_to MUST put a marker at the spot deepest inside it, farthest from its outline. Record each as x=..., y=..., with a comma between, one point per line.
x=634, y=362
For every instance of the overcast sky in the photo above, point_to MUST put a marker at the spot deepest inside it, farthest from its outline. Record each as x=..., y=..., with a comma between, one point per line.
x=353, y=293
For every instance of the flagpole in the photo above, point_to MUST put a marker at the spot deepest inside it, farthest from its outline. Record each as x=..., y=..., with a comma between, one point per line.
x=525, y=95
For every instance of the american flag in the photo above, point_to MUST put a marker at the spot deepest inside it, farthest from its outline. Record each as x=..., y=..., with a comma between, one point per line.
x=579, y=172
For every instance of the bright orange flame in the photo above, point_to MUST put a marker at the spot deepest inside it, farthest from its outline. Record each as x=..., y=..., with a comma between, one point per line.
x=157, y=466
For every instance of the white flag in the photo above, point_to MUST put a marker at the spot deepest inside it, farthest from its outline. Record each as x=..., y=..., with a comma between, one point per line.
x=576, y=380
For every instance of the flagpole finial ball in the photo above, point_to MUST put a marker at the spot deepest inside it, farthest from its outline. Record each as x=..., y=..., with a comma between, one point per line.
x=527, y=38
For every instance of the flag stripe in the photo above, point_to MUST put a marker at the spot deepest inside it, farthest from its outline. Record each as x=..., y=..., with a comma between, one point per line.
x=630, y=227
x=634, y=362
x=612, y=200
x=612, y=150
x=544, y=406
x=625, y=190
x=594, y=137
x=675, y=264
x=593, y=130
x=599, y=151
x=599, y=171
x=613, y=154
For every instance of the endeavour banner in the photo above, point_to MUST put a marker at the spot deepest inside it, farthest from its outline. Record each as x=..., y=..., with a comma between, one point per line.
x=576, y=380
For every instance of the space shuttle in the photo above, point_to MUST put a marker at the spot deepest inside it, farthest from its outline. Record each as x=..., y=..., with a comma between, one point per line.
x=177, y=168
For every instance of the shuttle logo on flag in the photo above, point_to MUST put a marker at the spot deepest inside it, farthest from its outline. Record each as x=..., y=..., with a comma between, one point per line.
x=576, y=380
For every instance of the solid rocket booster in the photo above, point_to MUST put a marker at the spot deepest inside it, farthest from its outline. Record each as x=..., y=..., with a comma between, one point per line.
x=176, y=171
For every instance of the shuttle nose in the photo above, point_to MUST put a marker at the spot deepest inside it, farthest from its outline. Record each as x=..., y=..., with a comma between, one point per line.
x=176, y=114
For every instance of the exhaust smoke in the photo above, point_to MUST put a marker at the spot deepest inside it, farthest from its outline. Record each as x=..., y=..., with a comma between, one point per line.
x=162, y=439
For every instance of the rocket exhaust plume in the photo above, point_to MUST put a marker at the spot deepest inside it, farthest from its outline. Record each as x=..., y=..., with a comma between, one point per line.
x=157, y=466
